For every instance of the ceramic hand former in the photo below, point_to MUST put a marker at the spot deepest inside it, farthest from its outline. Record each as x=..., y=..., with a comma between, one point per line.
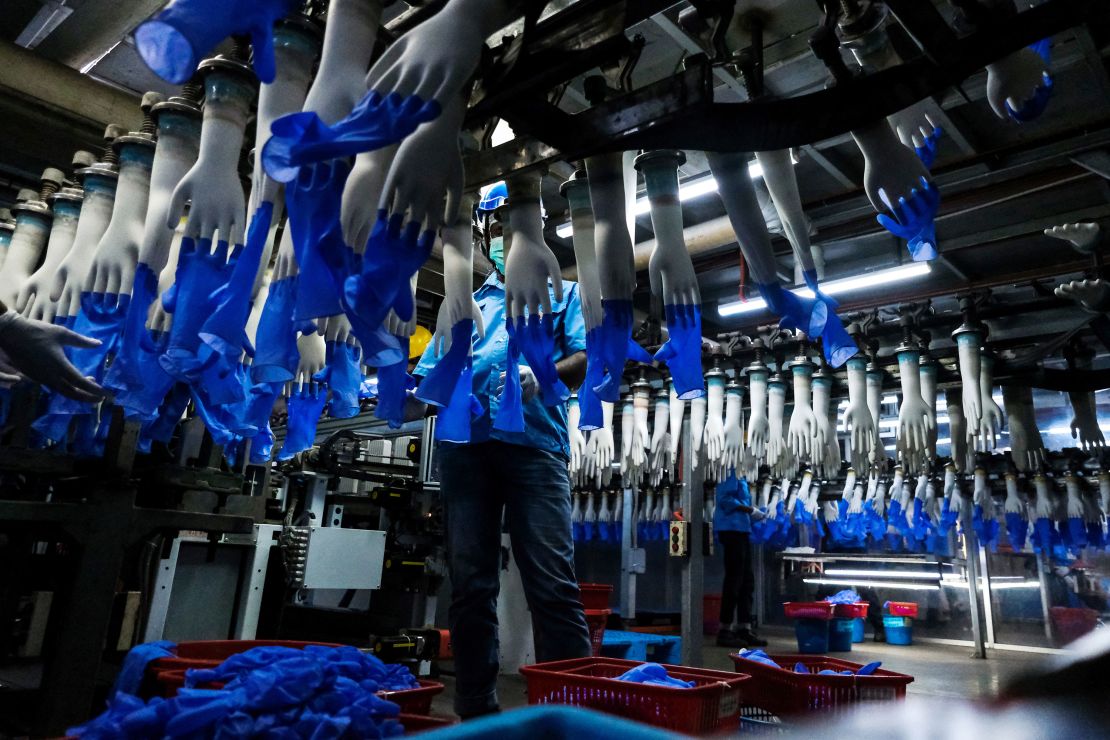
x=1019, y=86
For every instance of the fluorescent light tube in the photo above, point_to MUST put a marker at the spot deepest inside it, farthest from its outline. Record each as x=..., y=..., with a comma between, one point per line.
x=929, y=576
x=836, y=287
x=873, y=584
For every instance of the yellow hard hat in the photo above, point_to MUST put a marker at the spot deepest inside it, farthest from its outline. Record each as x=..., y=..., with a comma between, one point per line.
x=419, y=341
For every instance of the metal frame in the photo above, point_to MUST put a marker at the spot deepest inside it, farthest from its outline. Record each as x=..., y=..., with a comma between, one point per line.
x=693, y=567
x=680, y=113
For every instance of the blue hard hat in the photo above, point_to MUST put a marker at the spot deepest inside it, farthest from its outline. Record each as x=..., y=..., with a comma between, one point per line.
x=493, y=197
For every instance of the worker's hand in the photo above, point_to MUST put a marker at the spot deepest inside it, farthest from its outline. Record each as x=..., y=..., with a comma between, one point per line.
x=529, y=386
x=37, y=350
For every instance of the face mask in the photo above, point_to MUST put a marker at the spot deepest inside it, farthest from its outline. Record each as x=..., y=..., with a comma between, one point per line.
x=497, y=252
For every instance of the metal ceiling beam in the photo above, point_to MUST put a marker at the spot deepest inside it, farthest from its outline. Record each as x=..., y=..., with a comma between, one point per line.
x=67, y=97
x=94, y=27
x=772, y=124
x=826, y=164
x=690, y=46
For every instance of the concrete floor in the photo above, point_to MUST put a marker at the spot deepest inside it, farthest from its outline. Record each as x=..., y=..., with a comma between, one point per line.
x=938, y=670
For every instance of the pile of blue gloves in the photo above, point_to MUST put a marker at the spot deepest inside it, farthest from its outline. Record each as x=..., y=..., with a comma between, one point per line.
x=318, y=692
x=847, y=596
x=759, y=656
x=654, y=674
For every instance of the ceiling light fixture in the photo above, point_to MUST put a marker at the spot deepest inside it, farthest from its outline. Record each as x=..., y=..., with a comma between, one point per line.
x=836, y=287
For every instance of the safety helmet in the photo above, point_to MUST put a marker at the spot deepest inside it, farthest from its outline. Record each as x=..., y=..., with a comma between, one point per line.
x=419, y=341
x=493, y=197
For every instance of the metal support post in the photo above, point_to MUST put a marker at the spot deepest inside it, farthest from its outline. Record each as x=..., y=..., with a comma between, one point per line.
x=632, y=559
x=693, y=567
x=988, y=607
x=1046, y=603
x=971, y=546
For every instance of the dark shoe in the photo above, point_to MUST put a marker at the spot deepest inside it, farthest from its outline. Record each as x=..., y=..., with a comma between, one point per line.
x=730, y=639
x=751, y=638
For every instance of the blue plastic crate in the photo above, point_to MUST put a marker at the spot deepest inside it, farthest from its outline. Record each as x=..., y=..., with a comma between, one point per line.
x=899, y=630
x=857, y=630
x=840, y=635
x=530, y=723
x=813, y=635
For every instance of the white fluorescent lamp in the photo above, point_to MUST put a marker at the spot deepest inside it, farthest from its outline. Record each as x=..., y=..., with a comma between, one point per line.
x=836, y=287
x=873, y=584
x=888, y=573
x=686, y=191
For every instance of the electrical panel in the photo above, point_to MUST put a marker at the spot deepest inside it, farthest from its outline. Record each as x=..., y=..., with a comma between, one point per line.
x=679, y=541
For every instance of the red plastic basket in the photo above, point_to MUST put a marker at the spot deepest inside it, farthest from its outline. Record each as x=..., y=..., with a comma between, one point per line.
x=851, y=611
x=595, y=595
x=808, y=609
x=595, y=620
x=1071, y=623
x=711, y=705
x=902, y=609
x=782, y=692
x=417, y=723
x=414, y=701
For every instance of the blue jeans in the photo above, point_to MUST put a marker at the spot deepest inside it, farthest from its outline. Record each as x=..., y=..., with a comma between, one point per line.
x=530, y=488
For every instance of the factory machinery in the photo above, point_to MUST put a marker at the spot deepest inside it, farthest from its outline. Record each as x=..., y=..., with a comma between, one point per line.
x=344, y=542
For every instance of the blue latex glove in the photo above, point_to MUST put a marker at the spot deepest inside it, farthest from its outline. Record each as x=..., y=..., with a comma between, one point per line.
x=1075, y=534
x=869, y=669
x=101, y=317
x=276, y=356
x=948, y=516
x=305, y=406
x=589, y=404
x=438, y=386
x=912, y=220
x=654, y=675
x=260, y=405
x=801, y=668
x=143, y=402
x=453, y=420
x=216, y=417
x=682, y=351
x=759, y=656
x=201, y=272
x=174, y=41
x=126, y=372
x=130, y=676
x=927, y=152
x=616, y=347
x=323, y=258
x=302, y=138
x=1017, y=526
x=510, y=413
x=1036, y=105
x=160, y=427
x=847, y=596
x=536, y=339
x=836, y=343
x=343, y=374
x=391, y=258
x=223, y=333
x=394, y=384
x=986, y=530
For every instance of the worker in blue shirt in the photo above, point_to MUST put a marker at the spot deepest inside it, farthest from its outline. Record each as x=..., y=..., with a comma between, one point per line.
x=732, y=523
x=519, y=478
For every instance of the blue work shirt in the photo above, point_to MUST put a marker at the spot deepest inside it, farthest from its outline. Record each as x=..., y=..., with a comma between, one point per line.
x=732, y=493
x=545, y=427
